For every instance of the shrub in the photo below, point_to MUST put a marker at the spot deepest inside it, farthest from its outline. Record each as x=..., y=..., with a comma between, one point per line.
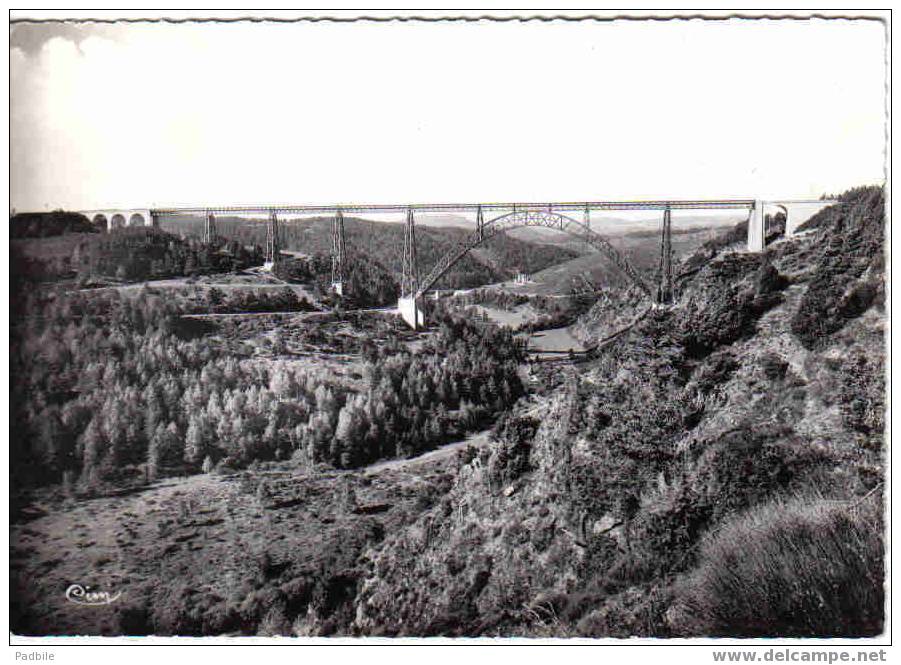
x=635, y=612
x=542, y=535
x=274, y=624
x=800, y=568
x=853, y=242
x=744, y=468
x=46, y=224
x=862, y=395
x=663, y=539
x=858, y=300
x=723, y=306
x=175, y=611
x=747, y=466
x=768, y=279
x=510, y=458
x=774, y=368
x=227, y=465
x=716, y=369
x=133, y=620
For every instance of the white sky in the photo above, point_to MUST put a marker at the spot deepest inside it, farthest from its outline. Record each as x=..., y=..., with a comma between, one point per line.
x=154, y=115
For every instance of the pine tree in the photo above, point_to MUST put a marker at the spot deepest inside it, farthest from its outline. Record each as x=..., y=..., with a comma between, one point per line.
x=93, y=445
x=50, y=431
x=155, y=454
x=195, y=447
x=270, y=435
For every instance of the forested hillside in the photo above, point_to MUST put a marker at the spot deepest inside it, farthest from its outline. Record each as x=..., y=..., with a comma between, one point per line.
x=132, y=254
x=367, y=283
x=498, y=259
x=146, y=253
x=110, y=388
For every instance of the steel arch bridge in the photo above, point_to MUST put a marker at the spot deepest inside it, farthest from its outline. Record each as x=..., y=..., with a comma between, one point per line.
x=524, y=218
x=561, y=216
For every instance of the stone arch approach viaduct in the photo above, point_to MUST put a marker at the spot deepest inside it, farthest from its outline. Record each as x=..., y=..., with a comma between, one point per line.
x=117, y=218
x=491, y=219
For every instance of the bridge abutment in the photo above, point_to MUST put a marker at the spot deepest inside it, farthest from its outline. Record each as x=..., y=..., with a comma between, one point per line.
x=796, y=213
x=756, y=232
x=410, y=310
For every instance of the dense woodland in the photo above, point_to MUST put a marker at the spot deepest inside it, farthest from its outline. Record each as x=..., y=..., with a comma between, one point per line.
x=126, y=254
x=109, y=387
x=194, y=299
x=367, y=283
x=372, y=268
x=144, y=253
x=106, y=385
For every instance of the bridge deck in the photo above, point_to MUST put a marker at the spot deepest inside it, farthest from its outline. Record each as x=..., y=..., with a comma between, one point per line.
x=713, y=204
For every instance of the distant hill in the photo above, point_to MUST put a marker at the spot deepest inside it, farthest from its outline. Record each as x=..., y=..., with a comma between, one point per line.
x=446, y=220
x=613, y=227
x=498, y=259
x=641, y=248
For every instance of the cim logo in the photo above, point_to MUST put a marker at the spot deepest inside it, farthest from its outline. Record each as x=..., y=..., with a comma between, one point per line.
x=83, y=595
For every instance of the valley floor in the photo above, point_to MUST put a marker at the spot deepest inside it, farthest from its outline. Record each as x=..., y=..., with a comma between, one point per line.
x=209, y=536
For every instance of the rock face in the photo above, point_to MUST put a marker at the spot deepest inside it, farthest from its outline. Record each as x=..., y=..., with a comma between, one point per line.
x=702, y=412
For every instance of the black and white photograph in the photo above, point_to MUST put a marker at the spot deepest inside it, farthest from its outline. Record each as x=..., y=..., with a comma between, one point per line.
x=450, y=327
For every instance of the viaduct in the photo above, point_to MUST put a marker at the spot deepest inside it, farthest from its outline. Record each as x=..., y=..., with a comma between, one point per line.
x=114, y=218
x=491, y=219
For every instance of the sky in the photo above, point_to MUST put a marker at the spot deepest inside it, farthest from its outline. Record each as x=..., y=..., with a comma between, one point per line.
x=154, y=115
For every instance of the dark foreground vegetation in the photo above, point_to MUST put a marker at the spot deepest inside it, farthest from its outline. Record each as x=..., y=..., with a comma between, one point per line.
x=717, y=469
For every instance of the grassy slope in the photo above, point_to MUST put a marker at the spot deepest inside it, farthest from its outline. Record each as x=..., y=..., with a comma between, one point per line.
x=625, y=512
x=262, y=551
x=641, y=248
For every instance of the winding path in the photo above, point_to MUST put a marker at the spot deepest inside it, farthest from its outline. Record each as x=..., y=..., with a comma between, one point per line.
x=476, y=440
